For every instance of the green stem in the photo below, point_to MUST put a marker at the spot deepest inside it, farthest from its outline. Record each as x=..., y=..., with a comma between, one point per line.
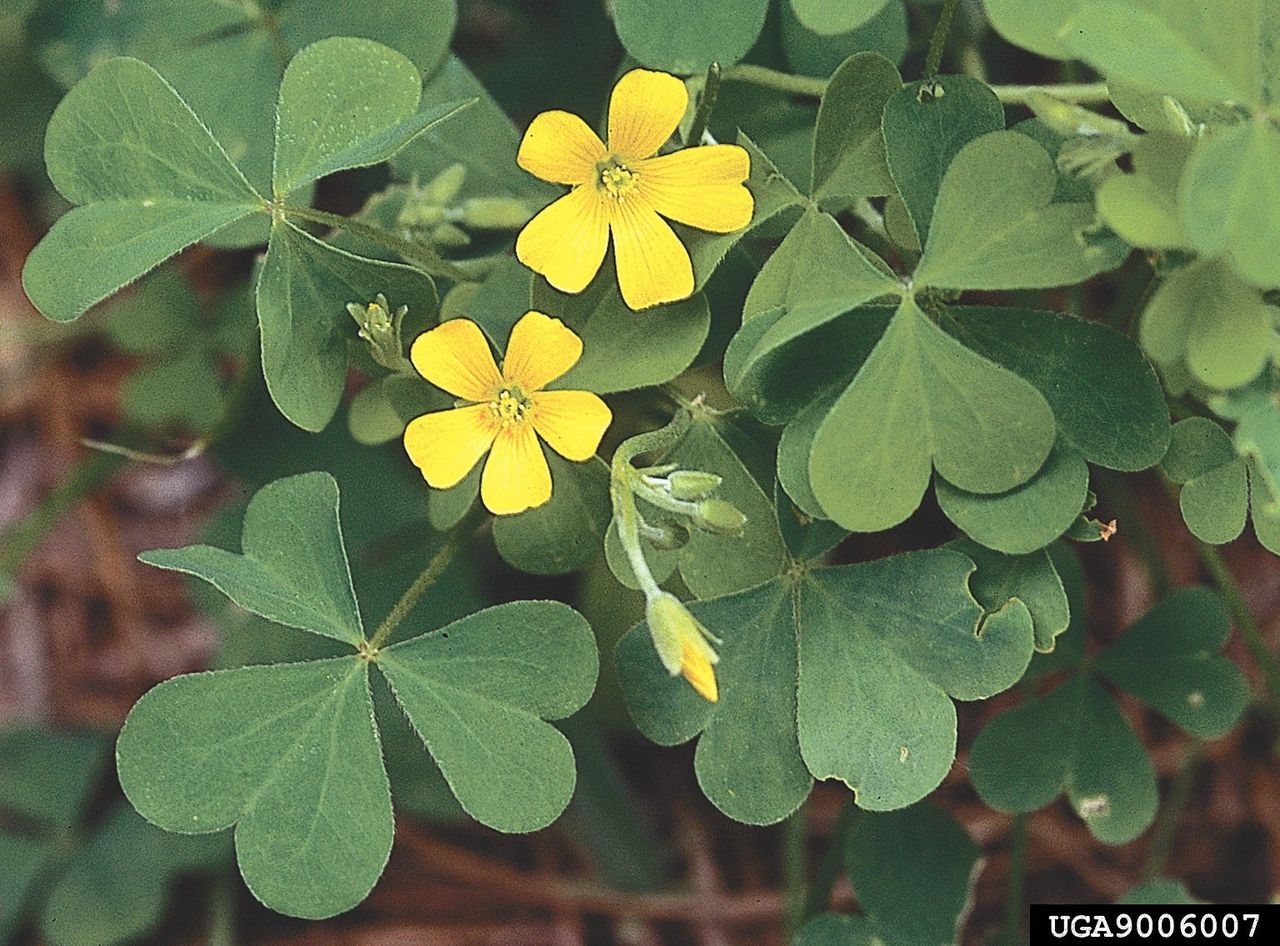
x=1018, y=838
x=938, y=41
x=793, y=859
x=710, y=91
x=222, y=912
x=1226, y=584
x=425, y=258
x=428, y=577
x=824, y=880
x=1081, y=93
x=1166, y=827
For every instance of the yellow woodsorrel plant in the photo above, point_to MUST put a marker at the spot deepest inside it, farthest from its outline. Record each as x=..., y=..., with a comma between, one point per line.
x=841, y=299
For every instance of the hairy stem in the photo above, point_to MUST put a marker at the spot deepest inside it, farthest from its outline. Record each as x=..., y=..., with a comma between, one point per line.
x=428, y=577
x=824, y=881
x=938, y=41
x=1166, y=826
x=793, y=859
x=425, y=258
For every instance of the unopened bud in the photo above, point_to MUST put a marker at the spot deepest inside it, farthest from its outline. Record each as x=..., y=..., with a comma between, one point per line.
x=692, y=484
x=446, y=234
x=380, y=327
x=495, y=213
x=684, y=646
x=1071, y=120
x=719, y=518
x=446, y=185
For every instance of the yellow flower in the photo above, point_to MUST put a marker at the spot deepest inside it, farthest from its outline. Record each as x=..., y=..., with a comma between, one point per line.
x=683, y=644
x=624, y=188
x=509, y=410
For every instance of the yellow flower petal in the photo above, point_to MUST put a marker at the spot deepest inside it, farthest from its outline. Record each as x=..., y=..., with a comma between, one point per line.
x=653, y=265
x=445, y=445
x=541, y=349
x=571, y=422
x=697, y=669
x=701, y=187
x=559, y=147
x=644, y=110
x=567, y=240
x=516, y=476
x=455, y=357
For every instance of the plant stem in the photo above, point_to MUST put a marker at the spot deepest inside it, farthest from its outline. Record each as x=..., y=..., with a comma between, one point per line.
x=1017, y=880
x=428, y=577
x=222, y=912
x=1081, y=93
x=796, y=829
x=824, y=880
x=425, y=258
x=710, y=91
x=938, y=41
x=1166, y=828
x=1227, y=586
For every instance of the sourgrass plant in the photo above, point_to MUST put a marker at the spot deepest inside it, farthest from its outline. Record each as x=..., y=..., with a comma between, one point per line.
x=817, y=279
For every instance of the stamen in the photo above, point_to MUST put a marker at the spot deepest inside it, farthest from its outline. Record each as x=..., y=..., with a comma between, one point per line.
x=617, y=179
x=510, y=406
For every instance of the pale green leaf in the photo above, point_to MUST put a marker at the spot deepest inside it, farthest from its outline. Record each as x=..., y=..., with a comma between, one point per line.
x=1214, y=498
x=293, y=566
x=686, y=36
x=1034, y=26
x=848, y=144
x=813, y=54
x=823, y=16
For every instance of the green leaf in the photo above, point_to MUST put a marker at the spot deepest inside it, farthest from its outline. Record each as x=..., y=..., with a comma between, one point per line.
x=921, y=400
x=621, y=349
x=995, y=225
x=1169, y=661
x=794, y=448
x=1142, y=207
x=1036, y=27
x=1206, y=315
x=381, y=411
x=925, y=125
x=345, y=103
x=1159, y=891
x=1075, y=737
x=303, y=288
x=565, y=533
x=1105, y=396
x=118, y=887
x=286, y=752
x=293, y=568
x=893, y=856
x=183, y=391
x=1033, y=579
x=1186, y=50
x=713, y=565
x=150, y=180
x=1027, y=517
x=1214, y=498
x=848, y=144
x=48, y=775
x=841, y=672
x=477, y=692
x=814, y=54
x=686, y=36
x=828, y=18
x=1230, y=200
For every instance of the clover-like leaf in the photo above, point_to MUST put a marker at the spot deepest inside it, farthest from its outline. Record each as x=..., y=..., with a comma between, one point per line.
x=843, y=672
x=290, y=753
x=1214, y=498
x=925, y=126
x=1036, y=27
x=686, y=36
x=148, y=179
x=1075, y=737
x=1033, y=579
x=848, y=143
x=293, y=565
x=1209, y=318
x=922, y=400
x=830, y=18
x=1142, y=207
x=996, y=224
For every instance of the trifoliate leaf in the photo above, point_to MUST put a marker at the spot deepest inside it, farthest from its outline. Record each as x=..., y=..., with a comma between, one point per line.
x=920, y=400
x=1105, y=396
x=1206, y=315
x=381, y=411
x=1230, y=200
x=1142, y=207
x=303, y=289
x=346, y=103
x=848, y=144
x=686, y=36
x=825, y=674
x=1027, y=517
x=149, y=178
x=293, y=565
x=1215, y=489
x=1075, y=737
x=996, y=226
x=925, y=125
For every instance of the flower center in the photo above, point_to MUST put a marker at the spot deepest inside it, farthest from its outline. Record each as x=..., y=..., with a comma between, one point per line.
x=510, y=406
x=617, y=179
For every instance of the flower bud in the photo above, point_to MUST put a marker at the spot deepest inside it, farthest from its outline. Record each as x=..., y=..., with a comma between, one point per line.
x=446, y=234
x=683, y=644
x=380, y=327
x=446, y=185
x=692, y=484
x=719, y=518
x=495, y=213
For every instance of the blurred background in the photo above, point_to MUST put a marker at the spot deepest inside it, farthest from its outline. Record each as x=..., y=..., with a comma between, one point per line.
x=640, y=857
